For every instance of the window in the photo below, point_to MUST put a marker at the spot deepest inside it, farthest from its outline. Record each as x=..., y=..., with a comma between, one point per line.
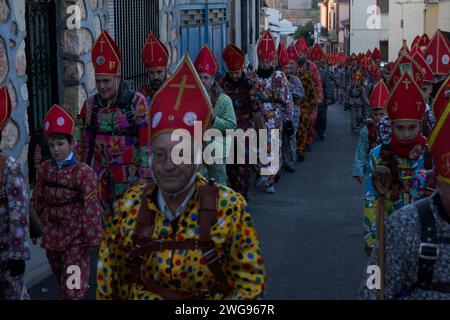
x=217, y=16
x=130, y=25
x=194, y=17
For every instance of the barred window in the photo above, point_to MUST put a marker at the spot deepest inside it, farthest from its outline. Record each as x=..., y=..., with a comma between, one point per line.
x=130, y=26
x=193, y=17
x=217, y=16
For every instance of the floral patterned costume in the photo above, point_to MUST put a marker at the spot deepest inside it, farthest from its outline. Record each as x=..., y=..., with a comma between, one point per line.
x=14, y=227
x=66, y=200
x=239, y=175
x=272, y=97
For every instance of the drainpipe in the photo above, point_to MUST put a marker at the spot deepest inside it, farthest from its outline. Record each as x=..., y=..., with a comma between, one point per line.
x=207, y=23
x=425, y=17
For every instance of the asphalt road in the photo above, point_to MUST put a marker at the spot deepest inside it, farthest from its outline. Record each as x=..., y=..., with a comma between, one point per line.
x=310, y=230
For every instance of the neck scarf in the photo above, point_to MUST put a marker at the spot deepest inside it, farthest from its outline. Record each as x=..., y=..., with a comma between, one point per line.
x=410, y=149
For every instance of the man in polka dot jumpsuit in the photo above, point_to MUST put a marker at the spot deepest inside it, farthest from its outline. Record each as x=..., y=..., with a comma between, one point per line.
x=173, y=260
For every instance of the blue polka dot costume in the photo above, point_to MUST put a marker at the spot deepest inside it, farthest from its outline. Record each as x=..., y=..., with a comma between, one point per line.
x=234, y=236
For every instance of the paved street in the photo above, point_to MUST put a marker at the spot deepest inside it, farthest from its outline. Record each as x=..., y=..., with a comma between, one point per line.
x=310, y=230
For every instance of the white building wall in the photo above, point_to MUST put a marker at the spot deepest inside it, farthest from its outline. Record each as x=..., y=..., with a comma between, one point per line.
x=299, y=4
x=365, y=32
x=413, y=25
x=238, y=22
x=444, y=15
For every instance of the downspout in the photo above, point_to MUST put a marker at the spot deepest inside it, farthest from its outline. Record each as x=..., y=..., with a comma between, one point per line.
x=425, y=17
x=206, y=23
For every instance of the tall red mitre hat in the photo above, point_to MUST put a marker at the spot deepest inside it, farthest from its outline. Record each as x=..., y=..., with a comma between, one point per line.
x=424, y=40
x=341, y=56
x=442, y=98
x=317, y=53
x=440, y=147
x=416, y=49
x=301, y=45
x=380, y=95
x=437, y=54
x=406, y=101
x=234, y=58
x=365, y=63
x=280, y=48
x=154, y=54
x=106, y=56
x=266, y=47
x=292, y=52
x=376, y=54
x=180, y=102
x=416, y=41
x=405, y=63
x=58, y=120
x=206, y=61
x=427, y=73
x=283, y=56
x=5, y=107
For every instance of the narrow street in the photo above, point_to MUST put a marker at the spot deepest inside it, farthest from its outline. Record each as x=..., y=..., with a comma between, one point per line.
x=310, y=230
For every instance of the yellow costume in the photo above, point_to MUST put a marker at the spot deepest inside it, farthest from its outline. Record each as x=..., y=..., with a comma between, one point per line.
x=233, y=235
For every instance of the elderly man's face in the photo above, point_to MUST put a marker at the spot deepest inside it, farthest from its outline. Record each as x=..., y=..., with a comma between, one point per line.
x=107, y=86
x=171, y=178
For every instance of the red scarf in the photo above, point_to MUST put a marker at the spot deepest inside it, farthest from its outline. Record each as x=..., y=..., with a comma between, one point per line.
x=408, y=150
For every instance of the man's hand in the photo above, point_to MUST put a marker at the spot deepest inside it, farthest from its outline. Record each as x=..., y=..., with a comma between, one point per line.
x=16, y=267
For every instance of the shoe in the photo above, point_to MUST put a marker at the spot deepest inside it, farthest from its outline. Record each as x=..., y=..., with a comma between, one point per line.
x=289, y=169
x=308, y=148
x=270, y=189
x=300, y=157
x=322, y=137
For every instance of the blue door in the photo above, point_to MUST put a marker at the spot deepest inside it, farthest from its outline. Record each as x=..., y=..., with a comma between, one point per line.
x=204, y=24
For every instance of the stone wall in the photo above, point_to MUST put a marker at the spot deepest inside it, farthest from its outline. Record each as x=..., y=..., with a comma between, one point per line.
x=77, y=76
x=169, y=30
x=75, y=68
x=13, y=75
